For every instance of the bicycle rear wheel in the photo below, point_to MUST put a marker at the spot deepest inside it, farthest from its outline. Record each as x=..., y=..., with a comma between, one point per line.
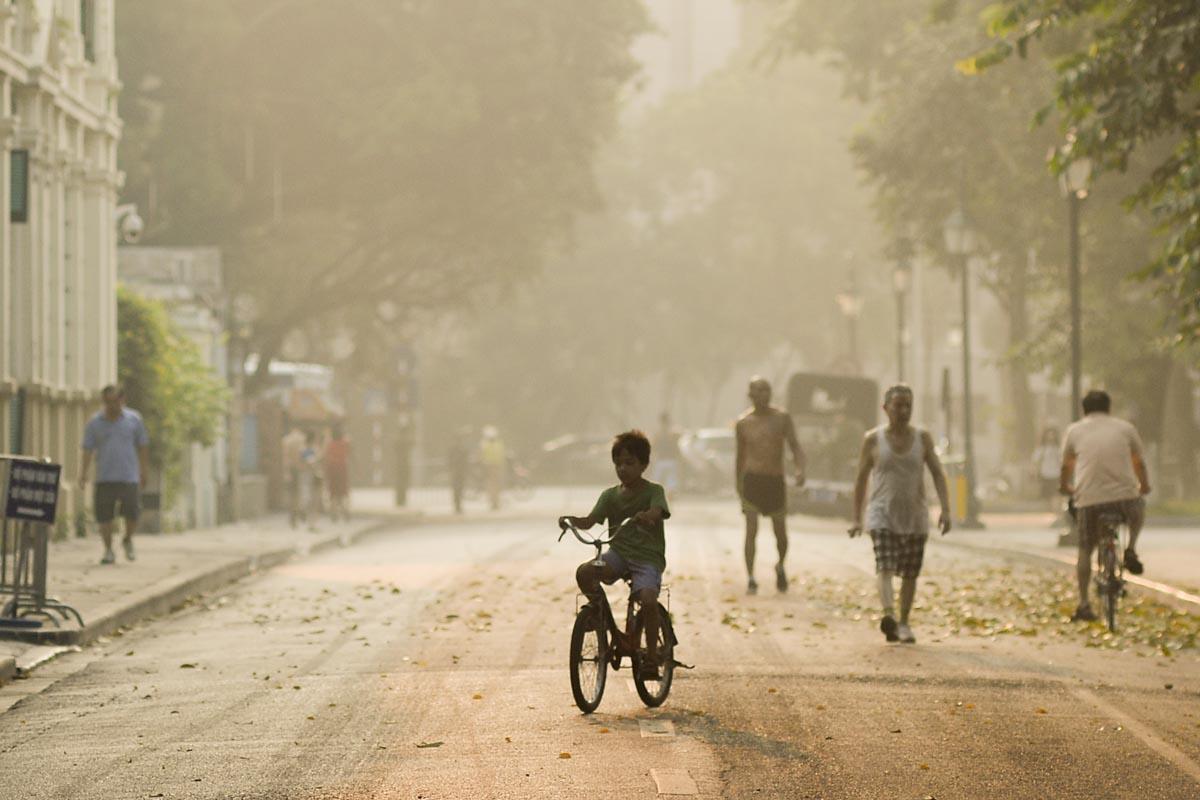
x=654, y=693
x=1110, y=589
x=589, y=659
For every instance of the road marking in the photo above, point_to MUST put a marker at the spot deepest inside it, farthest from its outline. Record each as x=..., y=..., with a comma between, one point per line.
x=1151, y=739
x=674, y=781
x=657, y=728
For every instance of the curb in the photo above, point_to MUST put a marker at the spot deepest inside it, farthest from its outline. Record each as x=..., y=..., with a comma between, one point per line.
x=8, y=669
x=159, y=599
x=1170, y=594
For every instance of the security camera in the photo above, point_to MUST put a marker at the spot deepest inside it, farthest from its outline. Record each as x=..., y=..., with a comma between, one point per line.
x=131, y=228
x=129, y=224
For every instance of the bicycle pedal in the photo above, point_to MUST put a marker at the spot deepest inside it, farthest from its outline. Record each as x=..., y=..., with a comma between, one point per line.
x=681, y=665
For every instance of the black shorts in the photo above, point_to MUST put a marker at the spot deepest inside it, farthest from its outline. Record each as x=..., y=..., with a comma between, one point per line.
x=764, y=494
x=898, y=554
x=108, y=495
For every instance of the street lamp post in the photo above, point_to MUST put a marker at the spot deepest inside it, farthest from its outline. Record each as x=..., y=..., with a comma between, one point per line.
x=960, y=242
x=1074, y=182
x=902, y=283
x=850, y=301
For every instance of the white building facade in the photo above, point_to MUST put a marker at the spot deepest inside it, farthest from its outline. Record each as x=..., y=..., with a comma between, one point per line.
x=59, y=130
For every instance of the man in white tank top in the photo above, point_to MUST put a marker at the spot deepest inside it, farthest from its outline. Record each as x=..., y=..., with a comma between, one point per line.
x=893, y=459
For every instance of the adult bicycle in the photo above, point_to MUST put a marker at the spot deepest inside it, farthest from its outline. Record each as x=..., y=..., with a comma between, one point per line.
x=1111, y=540
x=597, y=643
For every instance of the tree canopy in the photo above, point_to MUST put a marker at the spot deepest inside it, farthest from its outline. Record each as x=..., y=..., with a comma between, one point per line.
x=347, y=154
x=1128, y=83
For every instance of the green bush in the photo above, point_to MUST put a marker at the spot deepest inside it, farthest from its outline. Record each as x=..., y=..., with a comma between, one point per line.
x=166, y=380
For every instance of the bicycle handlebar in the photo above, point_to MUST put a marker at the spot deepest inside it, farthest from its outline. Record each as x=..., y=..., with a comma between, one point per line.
x=565, y=524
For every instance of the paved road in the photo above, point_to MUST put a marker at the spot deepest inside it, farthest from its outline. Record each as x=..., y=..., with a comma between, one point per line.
x=430, y=662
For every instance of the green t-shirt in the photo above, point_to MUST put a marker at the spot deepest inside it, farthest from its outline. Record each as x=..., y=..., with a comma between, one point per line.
x=615, y=505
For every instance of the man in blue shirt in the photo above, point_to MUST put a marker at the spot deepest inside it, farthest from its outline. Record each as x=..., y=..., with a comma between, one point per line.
x=117, y=438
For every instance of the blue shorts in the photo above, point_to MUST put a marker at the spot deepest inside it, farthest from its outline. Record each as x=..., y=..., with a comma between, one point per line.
x=641, y=574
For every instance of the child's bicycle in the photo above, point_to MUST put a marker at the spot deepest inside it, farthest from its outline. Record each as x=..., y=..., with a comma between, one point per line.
x=1110, y=567
x=597, y=642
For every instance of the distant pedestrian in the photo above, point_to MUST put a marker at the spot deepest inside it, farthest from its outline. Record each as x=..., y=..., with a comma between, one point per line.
x=310, y=488
x=1047, y=463
x=760, y=435
x=337, y=474
x=893, y=459
x=667, y=460
x=116, y=437
x=494, y=459
x=458, y=462
x=291, y=447
x=404, y=447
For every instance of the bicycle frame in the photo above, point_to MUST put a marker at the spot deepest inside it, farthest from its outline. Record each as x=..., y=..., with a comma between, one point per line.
x=624, y=641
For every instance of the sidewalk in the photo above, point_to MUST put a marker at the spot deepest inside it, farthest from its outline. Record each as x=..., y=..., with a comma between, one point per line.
x=170, y=568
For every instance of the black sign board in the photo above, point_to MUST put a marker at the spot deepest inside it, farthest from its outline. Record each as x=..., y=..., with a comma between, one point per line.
x=32, y=491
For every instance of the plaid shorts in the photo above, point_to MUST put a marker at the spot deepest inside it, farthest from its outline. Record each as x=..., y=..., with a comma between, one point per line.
x=1088, y=518
x=899, y=554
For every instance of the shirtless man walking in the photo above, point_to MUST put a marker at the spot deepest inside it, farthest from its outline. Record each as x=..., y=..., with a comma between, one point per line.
x=893, y=460
x=761, y=433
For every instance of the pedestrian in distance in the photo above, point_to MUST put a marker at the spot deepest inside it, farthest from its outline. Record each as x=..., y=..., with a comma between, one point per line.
x=310, y=483
x=893, y=461
x=1104, y=470
x=494, y=459
x=336, y=461
x=458, y=462
x=116, y=438
x=760, y=435
x=667, y=455
x=291, y=446
x=1047, y=463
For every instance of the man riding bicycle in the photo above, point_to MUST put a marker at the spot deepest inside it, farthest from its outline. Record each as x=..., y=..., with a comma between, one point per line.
x=1102, y=456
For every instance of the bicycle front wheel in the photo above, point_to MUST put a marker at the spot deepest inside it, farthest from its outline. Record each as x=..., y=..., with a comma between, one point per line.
x=589, y=659
x=654, y=692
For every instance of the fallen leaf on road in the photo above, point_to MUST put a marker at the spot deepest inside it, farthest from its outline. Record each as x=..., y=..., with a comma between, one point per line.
x=769, y=691
x=1042, y=711
x=310, y=716
x=820, y=707
x=564, y=755
x=508, y=739
x=429, y=744
x=476, y=697
x=131, y=653
x=193, y=666
x=924, y=766
x=605, y=730
x=894, y=730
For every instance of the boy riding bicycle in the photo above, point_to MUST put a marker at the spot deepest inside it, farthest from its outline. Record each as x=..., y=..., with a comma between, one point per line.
x=638, y=550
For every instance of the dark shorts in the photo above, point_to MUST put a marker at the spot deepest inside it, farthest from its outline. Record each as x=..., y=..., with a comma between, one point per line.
x=108, y=495
x=1132, y=512
x=764, y=494
x=899, y=554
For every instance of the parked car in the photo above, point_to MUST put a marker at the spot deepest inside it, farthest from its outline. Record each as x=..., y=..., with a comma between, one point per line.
x=574, y=460
x=708, y=456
